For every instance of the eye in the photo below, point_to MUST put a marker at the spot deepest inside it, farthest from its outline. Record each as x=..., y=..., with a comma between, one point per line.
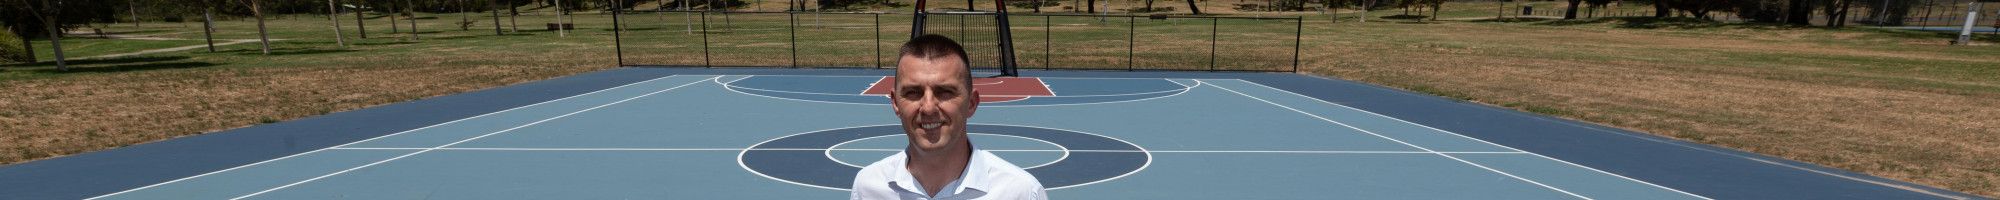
x=911, y=93
x=945, y=93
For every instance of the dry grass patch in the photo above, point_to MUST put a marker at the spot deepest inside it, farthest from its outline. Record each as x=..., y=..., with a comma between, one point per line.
x=1901, y=112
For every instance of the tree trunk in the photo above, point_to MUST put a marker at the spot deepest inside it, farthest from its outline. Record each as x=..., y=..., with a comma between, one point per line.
x=55, y=38
x=1800, y=13
x=464, y=18
x=357, y=19
x=1364, y=10
x=496, y=16
x=1149, y=5
x=560, y=32
x=1191, y=7
x=1845, y=7
x=333, y=14
x=1435, y=6
x=1570, y=12
x=28, y=46
x=208, y=27
x=1593, y=12
x=1660, y=9
x=134, y=7
x=1090, y=6
x=393, y=28
x=409, y=8
x=262, y=36
x=513, y=11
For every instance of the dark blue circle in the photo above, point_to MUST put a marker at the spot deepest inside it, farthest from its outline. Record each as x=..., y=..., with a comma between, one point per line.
x=802, y=158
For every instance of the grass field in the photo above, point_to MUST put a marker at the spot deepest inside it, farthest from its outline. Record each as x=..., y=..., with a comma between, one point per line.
x=1897, y=104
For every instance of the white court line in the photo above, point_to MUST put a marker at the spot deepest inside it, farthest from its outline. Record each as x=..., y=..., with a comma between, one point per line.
x=1475, y=139
x=747, y=149
x=879, y=77
x=469, y=139
x=1060, y=148
x=1400, y=141
x=1052, y=90
x=864, y=92
x=884, y=76
x=373, y=138
x=734, y=89
x=898, y=150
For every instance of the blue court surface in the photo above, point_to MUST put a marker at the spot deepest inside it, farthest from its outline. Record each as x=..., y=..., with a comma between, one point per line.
x=693, y=133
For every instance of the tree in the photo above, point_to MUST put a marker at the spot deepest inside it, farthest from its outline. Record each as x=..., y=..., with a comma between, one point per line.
x=1192, y=7
x=359, y=24
x=1799, y=13
x=1090, y=6
x=333, y=14
x=411, y=14
x=208, y=23
x=48, y=18
x=1570, y=12
x=263, y=37
x=53, y=10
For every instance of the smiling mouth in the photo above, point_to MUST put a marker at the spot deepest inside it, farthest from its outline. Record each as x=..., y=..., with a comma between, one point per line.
x=931, y=125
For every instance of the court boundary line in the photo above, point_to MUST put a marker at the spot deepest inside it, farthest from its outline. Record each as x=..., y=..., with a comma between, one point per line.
x=893, y=150
x=1475, y=139
x=471, y=139
x=733, y=89
x=373, y=138
x=1474, y=164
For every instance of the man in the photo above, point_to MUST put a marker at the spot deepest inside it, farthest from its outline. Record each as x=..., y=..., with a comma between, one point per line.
x=933, y=96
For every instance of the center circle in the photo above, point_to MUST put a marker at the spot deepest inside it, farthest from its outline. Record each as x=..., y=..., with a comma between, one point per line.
x=1028, y=153
x=809, y=159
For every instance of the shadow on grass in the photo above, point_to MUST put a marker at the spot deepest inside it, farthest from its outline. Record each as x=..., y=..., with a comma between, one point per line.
x=285, y=51
x=383, y=43
x=134, y=32
x=1512, y=20
x=1405, y=17
x=103, y=61
x=1671, y=22
x=127, y=67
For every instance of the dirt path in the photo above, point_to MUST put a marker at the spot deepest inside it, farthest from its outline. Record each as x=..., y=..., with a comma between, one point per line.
x=150, y=51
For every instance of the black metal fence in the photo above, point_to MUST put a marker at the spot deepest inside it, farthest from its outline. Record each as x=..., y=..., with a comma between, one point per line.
x=1042, y=41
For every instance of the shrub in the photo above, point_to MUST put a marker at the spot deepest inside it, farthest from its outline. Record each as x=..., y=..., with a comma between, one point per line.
x=11, y=50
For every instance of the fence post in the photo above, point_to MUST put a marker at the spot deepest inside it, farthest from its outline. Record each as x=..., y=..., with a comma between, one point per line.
x=1299, y=29
x=1212, y=32
x=1048, y=39
x=617, y=40
x=704, y=40
x=1131, y=40
x=794, y=29
x=878, y=40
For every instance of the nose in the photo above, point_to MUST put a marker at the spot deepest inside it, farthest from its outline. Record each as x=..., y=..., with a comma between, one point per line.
x=930, y=107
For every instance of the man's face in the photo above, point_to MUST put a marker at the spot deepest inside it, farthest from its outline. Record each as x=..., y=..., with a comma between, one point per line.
x=933, y=99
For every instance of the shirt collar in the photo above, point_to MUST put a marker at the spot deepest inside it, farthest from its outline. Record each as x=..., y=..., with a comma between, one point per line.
x=971, y=178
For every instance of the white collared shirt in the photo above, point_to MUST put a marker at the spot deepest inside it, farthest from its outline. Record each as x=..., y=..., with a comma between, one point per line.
x=986, y=177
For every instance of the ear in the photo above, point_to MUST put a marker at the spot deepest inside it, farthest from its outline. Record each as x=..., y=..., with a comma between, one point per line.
x=975, y=103
x=894, y=106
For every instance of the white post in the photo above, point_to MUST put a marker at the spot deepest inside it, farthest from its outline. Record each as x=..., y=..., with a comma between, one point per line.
x=1971, y=17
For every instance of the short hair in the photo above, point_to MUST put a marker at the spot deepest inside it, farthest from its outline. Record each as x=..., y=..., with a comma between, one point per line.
x=932, y=47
